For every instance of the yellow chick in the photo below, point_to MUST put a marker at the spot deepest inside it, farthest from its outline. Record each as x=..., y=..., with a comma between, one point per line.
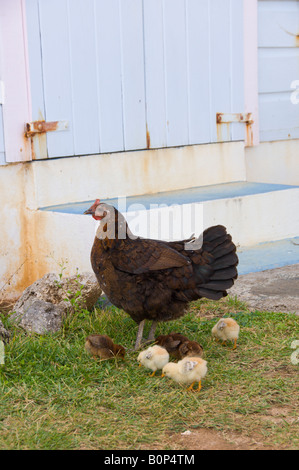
x=226, y=329
x=154, y=358
x=187, y=371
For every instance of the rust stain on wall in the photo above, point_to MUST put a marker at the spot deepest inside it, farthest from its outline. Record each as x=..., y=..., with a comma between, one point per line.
x=219, y=132
x=249, y=135
x=219, y=127
x=26, y=150
x=148, y=138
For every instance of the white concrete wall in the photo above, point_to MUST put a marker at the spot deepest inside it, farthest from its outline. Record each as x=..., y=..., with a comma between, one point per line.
x=135, y=173
x=17, y=233
x=256, y=218
x=273, y=162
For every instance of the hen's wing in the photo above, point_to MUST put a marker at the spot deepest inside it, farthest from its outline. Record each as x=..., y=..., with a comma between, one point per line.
x=143, y=255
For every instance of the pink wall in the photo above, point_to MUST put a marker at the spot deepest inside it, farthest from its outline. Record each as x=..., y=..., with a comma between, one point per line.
x=251, y=65
x=15, y=75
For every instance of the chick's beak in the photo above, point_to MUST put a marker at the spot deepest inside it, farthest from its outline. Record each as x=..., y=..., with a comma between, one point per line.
x=162, y=375
x=88, y=212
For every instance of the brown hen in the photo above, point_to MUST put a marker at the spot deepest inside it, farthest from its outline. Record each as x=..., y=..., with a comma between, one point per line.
x=155, y=280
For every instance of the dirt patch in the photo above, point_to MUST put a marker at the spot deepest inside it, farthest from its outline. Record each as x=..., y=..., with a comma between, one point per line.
x=274, y=290
x=278, y=415
x=210, y=439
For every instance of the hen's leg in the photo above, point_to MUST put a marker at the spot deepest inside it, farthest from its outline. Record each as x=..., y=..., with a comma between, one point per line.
x=151, y=335
x=139, y=334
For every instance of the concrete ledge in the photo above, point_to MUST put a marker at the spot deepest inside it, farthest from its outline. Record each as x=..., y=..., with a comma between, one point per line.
x=184, y=196
x=134, y=173
x=251, y=218
x=257, y=218
x=269, y=255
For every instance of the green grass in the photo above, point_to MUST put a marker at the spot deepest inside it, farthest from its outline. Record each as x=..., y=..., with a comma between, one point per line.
x=53, y=395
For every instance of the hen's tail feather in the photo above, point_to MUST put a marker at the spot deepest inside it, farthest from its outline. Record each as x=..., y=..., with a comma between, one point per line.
x=215, y=285
x=223, y=261
x=210, y=246
x=224, y=249
x=211, y=294
x=212, y=233
x=223, y=274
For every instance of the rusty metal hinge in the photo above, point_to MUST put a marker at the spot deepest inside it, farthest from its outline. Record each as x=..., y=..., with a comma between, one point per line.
x=234, y=117
x=227, y=118
x=39, y=127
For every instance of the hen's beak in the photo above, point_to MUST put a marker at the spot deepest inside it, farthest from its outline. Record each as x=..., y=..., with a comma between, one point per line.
x=89, y=211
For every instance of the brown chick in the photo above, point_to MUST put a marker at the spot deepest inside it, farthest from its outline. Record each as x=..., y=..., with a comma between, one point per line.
x=190, y=348
x=172, y=343
x=102, y=346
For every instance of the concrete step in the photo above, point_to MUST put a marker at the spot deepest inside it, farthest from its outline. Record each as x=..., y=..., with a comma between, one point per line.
x=252, y=212
x=268, y=255
x=263, y=220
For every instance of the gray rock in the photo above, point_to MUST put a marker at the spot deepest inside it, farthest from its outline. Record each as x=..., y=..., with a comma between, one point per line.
x=82, y=289
x=4, y=334
x=40, y=317
x=67, y=294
